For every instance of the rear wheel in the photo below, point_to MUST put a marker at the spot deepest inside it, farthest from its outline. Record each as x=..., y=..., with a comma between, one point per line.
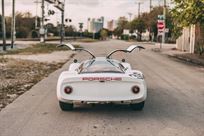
x=66, y=106
x=137, y=106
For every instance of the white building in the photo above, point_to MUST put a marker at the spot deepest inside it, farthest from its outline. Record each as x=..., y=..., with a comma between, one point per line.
x=95, y=25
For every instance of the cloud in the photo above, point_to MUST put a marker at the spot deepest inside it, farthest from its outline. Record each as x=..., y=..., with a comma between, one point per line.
x=84, y=2
x=81, y=10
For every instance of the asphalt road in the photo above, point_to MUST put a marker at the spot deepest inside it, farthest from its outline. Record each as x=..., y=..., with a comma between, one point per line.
x=174, y=107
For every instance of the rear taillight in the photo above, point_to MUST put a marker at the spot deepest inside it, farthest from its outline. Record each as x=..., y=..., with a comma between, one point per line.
x=135, y=89
x=68, y=90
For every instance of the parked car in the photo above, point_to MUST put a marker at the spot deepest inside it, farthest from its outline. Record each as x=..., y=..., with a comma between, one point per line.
x=101, y=80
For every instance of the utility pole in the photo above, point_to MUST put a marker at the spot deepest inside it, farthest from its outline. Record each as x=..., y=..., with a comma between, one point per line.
x=42, y=27
x=62, y=33
x=164, y=14
x=81, y=28
x=150, y=5
x=36, y=14
x=13, y=24
x=139, y=4
x=3, y=26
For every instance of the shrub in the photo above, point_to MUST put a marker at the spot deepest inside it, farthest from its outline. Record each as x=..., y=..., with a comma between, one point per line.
x=124, y=37
x=201, y=50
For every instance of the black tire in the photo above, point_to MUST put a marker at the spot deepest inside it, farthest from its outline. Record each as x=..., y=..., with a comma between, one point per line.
x=66, y=106
x=137, y=106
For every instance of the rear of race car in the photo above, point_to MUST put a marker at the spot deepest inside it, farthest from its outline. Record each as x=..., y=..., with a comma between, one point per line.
x=100, y=88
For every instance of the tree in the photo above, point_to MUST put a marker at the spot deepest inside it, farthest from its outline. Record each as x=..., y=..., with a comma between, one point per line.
x=103, y=34
x=52, y=29
x=25, y=24
x=188, y=12
x=122, y=24
x=70, y=30
x=150, y=20
x=139, y=25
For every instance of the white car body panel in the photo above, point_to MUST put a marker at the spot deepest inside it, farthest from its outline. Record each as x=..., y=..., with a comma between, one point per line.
x=102, y=87
x=96, y=91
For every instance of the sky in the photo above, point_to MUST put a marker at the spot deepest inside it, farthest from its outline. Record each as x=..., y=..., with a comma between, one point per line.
x=81, y=10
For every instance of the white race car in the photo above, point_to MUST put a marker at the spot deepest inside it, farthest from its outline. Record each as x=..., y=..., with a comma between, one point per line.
x=101, y=80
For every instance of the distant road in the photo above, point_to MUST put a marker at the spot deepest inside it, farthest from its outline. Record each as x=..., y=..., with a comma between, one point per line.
x=174, y=107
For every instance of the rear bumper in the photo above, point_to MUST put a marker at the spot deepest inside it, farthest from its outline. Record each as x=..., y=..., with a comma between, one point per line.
x=104, y=101
x=102, y=92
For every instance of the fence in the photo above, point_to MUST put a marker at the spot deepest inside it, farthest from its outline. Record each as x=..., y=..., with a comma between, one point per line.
x=191, y=38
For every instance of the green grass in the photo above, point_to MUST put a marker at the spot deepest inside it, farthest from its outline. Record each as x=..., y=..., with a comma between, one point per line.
x=38, y=49
x=87, y=40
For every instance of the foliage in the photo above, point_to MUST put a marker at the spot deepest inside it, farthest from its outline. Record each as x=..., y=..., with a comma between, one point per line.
x=86, y=40
x=34, y=34
x=124, y=37
x=200, y=48
x=118, y=31
x=137, y=24
x=151, y=18
x=188, y=12
x=122, y=24
x=38, y=48
x=69, y=30
x=87, y=34
x=52, y=29
x=103, y=34
x=25, y=23
x=144, y=22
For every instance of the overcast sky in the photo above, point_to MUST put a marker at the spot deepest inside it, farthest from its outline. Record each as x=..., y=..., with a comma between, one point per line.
x=80, y=10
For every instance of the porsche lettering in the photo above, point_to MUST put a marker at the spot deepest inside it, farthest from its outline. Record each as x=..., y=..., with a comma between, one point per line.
x=101, y=78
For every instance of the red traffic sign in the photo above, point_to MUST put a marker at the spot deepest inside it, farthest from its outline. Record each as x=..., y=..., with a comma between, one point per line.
x=160, y=25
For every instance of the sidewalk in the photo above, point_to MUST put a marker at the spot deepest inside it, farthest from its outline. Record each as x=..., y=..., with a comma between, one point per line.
x=171, y=51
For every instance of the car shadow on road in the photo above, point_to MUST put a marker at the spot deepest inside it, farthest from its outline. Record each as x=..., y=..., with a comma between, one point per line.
x=159, y=104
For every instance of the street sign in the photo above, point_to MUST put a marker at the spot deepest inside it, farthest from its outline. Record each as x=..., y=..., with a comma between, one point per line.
x=160, y=24
x=160, y=17
x=167, y=30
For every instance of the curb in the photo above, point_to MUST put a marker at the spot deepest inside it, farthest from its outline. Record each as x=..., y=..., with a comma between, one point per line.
x=181, y=58
x=193, y=61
